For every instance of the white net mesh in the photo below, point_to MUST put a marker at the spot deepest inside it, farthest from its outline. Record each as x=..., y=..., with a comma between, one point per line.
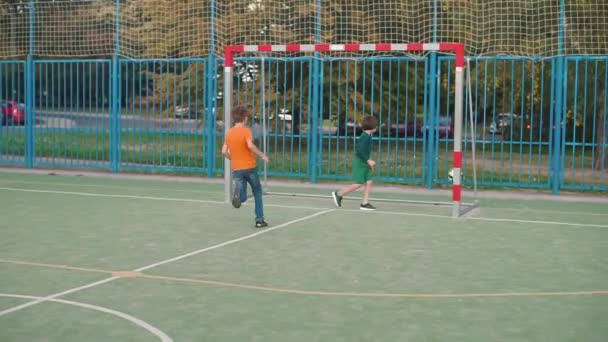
x=14, y=19
x=74, y=28
x=193, y=28
x=166, y=28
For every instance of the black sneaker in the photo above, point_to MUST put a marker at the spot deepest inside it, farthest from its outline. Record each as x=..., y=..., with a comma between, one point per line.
x=337, y=199
x=367, y=206
x=261, y=224
x=236, y=197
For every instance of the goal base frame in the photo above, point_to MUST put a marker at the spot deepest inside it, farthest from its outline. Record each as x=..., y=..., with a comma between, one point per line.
x=468, y=206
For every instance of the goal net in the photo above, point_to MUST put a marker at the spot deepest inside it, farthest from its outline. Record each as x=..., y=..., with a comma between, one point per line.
x=310, y=130
x=195, y=28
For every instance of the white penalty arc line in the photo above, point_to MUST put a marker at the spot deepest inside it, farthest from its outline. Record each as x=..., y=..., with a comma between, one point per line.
x=58, y=294
x=166, y=261
x=153, y=330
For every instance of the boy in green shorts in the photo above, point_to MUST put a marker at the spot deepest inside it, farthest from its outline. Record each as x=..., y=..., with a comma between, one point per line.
x=363, y=166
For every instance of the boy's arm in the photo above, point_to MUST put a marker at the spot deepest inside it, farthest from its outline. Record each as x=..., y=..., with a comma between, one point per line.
x=255, y=150
x=226, y=151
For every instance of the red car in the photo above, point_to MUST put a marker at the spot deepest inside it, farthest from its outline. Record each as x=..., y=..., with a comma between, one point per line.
x=444, y=127
x=12, y=112
x=409, y=129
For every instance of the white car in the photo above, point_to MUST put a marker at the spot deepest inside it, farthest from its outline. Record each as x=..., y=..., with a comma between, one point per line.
x=502, y=121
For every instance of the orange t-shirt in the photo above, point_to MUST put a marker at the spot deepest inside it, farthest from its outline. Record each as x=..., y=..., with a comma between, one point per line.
x=241, y=156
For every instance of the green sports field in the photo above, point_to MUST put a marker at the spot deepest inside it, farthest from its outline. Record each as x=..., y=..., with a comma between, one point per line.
x=106, y=258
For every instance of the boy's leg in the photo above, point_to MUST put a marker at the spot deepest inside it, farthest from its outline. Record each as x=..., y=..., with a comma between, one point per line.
x=256, y=188
x=240, y=184
x=338, y=195
x=366, y=175
x=360, y=171
x=366, y=191
x=349, y=189
x=365, y=205
x=243, y=190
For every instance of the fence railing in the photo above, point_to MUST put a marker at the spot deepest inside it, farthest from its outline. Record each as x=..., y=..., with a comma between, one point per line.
x=538, y=123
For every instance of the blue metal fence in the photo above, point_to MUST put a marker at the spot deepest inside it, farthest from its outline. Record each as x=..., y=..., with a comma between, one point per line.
x=71, y=116
x=538, y=123
x=12, y=93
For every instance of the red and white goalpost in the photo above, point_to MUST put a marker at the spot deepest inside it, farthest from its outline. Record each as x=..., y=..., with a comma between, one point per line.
x=455, y=48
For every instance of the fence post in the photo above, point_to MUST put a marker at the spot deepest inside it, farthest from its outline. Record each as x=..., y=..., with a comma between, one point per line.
x=115, y=114
x=431, y=108
x=558, y=117
x=313, y=129
x=560, y=78
x=30, y=71
x=30, y=119
x=211, y=87
x=115, y=102
x=210, y=119
x=313, y=162
x=431, y=113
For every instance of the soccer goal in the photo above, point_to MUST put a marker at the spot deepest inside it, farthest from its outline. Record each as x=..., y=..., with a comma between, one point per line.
x=458, y=206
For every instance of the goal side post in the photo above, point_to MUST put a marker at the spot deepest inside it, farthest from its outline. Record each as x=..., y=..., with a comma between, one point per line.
x=457, y=49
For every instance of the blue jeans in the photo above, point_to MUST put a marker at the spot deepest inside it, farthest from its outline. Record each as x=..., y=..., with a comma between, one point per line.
x=241, y=178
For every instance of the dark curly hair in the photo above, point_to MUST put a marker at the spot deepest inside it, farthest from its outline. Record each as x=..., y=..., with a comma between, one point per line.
x=239, y=114
x=369, y=122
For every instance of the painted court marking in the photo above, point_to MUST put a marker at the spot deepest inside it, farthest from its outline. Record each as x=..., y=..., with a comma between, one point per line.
x=202, y=250
x=378, y=294
x=107, y=186
x=56, y=295
x=152, y=198
x=150, y=328
x=380, y=212
x=122, y=187
x=322, y=293
x=230, y=242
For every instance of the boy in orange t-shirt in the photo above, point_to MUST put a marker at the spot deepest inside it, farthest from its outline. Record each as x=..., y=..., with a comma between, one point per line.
x=239, y=148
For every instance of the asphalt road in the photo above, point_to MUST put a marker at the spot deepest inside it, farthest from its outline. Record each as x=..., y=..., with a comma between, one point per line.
x=102, y=121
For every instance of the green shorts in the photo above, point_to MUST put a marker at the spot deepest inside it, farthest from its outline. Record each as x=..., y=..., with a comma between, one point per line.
x=361, y=171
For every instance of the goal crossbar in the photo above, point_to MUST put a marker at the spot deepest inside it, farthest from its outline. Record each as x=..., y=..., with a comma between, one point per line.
x=456, y=48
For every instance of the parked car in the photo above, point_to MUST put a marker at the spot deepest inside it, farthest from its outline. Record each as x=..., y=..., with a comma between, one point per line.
x=502, y=122
x=13, y=113
x=444, y=127
x=349, y=128
x=257, y=121
x=187, y=112
x=291, y=119
x=405, y=129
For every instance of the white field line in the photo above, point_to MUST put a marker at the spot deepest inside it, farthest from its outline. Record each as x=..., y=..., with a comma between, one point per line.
x=380, y=212
x=109, y=186
x=315, y=292
x=153, y=330
x=183, y=256
x=152, y=198
x=58, y=294
x=230, y=242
